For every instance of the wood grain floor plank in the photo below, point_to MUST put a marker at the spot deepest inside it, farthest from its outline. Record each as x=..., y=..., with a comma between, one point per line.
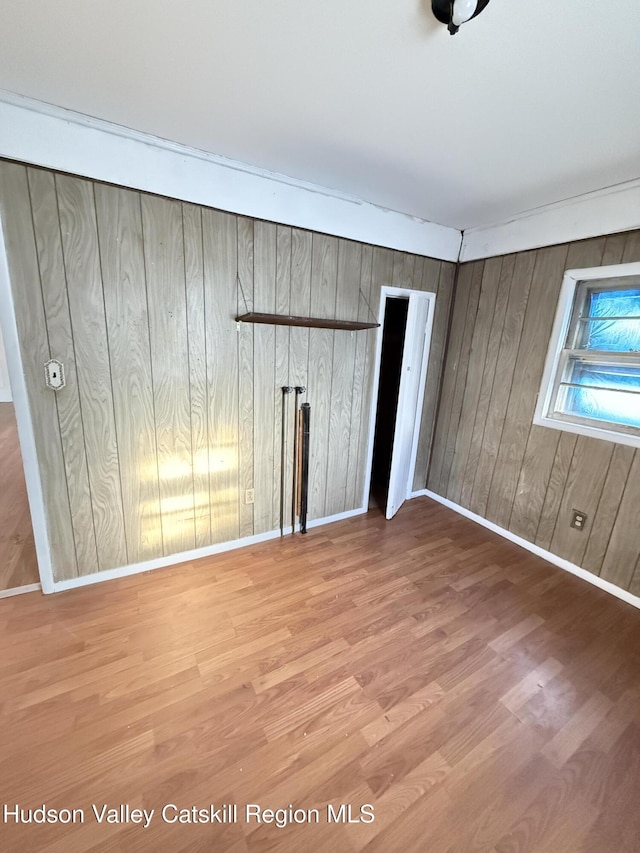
x=423, y=665
x=18, y=563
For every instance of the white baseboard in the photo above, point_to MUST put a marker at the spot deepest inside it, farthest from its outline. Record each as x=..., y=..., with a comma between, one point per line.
x=189, y=556
x=550, y=557
x=19, y=590
x=340, y=516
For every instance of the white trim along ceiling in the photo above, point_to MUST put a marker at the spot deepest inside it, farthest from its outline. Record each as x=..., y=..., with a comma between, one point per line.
x=55, y=138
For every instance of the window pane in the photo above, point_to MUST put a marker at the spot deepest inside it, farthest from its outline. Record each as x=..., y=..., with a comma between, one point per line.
x=619, y=335
x=605, y=394
x=615, y=303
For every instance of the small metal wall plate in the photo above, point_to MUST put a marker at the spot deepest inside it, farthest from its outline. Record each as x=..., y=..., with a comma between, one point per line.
x=54, y=374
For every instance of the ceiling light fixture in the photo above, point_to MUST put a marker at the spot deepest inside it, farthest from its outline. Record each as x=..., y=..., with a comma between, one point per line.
x=454, y=13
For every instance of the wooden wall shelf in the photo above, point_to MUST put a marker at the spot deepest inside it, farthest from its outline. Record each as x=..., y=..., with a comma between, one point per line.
x=309, y=322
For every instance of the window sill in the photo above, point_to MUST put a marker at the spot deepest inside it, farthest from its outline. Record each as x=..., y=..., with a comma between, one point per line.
x=589, y=431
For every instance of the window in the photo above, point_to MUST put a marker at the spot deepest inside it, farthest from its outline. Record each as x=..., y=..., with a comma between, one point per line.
x=591, y=382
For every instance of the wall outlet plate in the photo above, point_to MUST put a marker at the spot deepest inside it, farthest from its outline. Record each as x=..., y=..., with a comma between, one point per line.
x=249, y=496
x=578, y=519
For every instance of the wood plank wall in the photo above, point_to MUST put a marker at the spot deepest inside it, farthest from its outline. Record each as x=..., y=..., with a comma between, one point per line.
x=170, y=412
x=488, y=456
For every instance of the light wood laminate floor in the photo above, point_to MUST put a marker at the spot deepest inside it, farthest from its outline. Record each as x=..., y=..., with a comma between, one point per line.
x=18, y=565
x=479, y=698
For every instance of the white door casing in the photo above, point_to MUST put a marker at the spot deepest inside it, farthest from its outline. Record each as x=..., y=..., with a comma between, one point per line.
x=411, y=396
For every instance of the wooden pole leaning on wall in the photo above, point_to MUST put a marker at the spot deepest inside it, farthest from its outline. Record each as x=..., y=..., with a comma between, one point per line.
x=299, y=389
x=298, y=462
x=286, y=390
x=305, y=413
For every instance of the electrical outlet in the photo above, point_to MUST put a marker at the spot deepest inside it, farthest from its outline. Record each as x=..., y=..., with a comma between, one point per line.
x=578, y=519
x=249, y=496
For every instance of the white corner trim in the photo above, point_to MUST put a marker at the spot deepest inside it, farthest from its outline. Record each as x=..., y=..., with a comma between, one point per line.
x=605, y=211
x=194, y=554
x=19, y=590
x=25, y=426
x=50, y=136
x=567, y=566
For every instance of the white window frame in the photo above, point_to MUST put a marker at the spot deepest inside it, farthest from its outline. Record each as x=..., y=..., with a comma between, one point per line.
x=573, y=278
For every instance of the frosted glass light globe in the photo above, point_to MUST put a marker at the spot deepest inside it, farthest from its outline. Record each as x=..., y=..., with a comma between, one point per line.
x=463, y=10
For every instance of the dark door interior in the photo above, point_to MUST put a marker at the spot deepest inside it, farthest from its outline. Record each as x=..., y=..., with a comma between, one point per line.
x=393, y=334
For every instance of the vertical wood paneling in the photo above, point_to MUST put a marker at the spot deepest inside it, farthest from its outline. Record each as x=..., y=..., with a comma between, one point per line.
x=264, y=377
x=342, y=383
x=437, y=277
x=555, y=488
x=324, y=267
x=120, y=238
x=300, y=305
x=166, y=299
x=86, y=302
x=426, y=273
x=622, y=552
x=460, y=386
x=172, y=412
x=199, y=392
x=541, y=446
x=503, y=380
x=634, y=586
x=614, y=248
x=46, y=225
x=488, y=374
x=220, y=241
x=545, y=286
x=587, y=474
x=245, y=374
x=533, y=482
x=438, y=476
x=632, y=248
x=530, y=478
x=17, y=226
x=608, y=505
x=360, y=399
x=283, y=345
x=480, y=337
x=403, y=273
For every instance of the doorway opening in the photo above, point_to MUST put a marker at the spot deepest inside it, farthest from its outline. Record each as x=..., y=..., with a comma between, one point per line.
x=402, y=356
x=18, y=561
x=393, y=334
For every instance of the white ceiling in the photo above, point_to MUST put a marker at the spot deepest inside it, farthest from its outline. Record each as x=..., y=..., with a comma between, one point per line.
x=533, y=102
